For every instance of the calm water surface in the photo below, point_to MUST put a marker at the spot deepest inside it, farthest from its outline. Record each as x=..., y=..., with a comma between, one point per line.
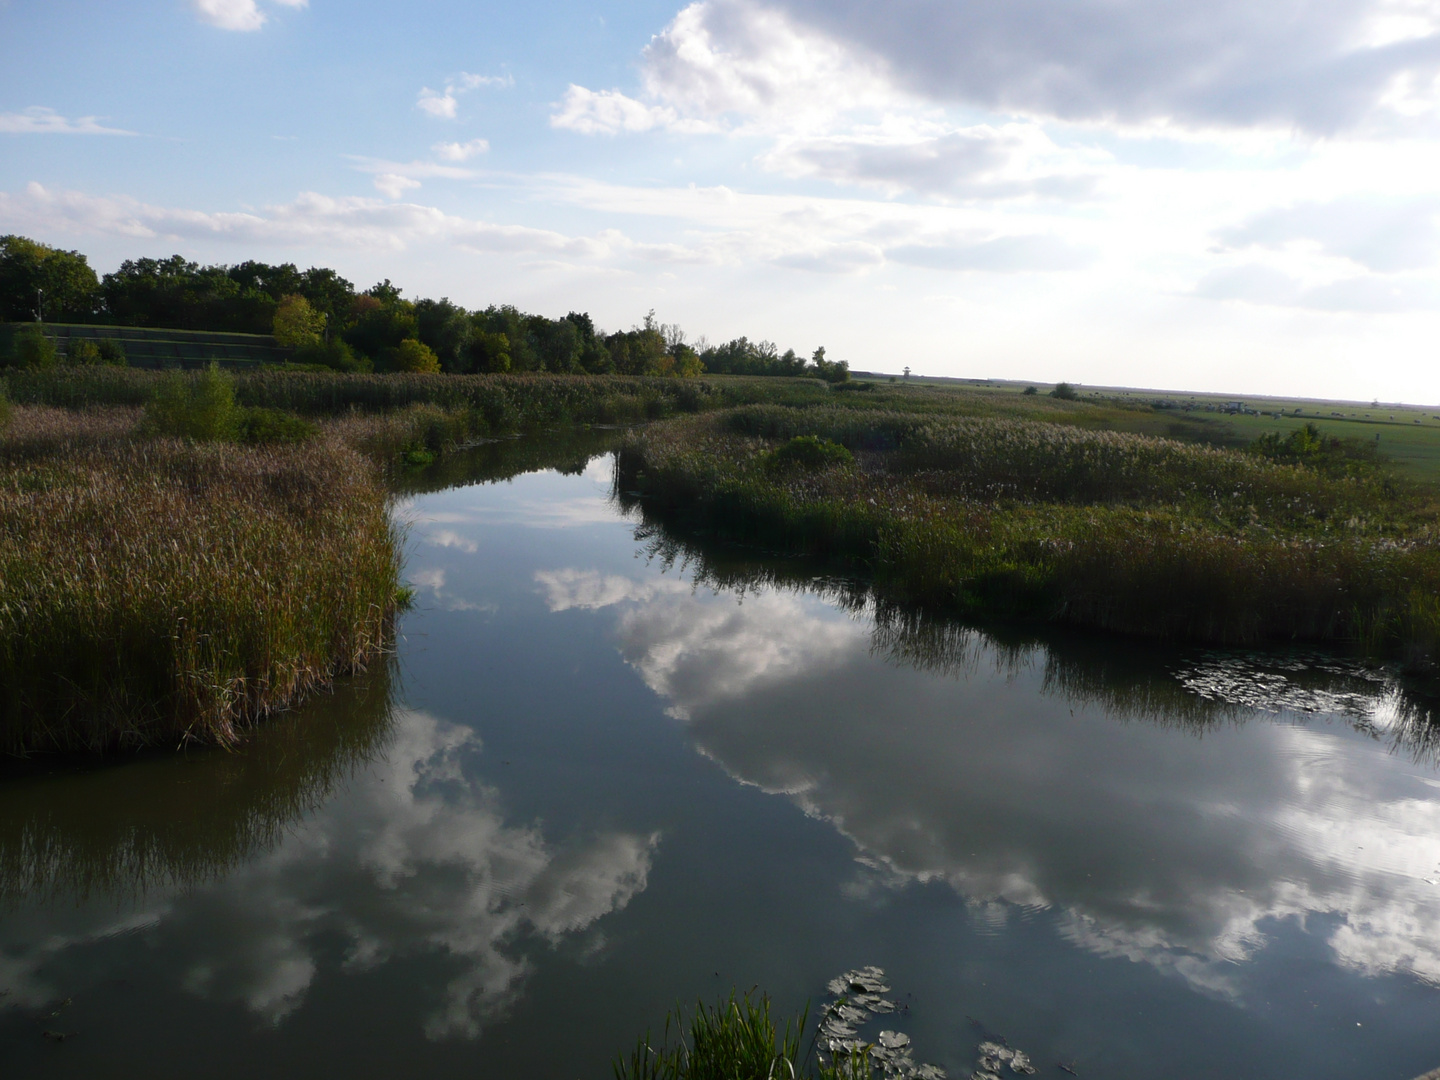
x=606, y=774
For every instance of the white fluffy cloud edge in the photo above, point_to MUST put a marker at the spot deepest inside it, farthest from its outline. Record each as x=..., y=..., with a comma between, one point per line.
x=241, y=15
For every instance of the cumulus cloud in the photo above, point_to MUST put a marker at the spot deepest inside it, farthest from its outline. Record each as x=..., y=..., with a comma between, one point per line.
x=39, y=120
x=608, y=112
x=445, y=104
x=237, y=14
x=1320, y=66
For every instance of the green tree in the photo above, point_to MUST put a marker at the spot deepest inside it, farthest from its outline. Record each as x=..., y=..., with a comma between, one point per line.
x=489, y=352
x=1064, y=392
x=446, y=328
x=29, y=269
x=413, y=355
x=296, y=323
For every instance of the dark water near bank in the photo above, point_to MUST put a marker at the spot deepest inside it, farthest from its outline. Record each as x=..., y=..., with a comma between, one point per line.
x=594, y=784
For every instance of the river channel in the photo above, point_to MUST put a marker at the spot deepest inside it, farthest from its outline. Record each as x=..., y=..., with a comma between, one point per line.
x=607, y=772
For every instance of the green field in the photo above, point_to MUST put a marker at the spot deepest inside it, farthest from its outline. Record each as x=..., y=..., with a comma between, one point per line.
x=1409, y=435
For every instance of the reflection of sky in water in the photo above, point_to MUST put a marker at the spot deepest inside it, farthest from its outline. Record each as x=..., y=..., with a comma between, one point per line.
x=418, y=858
x=1179, y=852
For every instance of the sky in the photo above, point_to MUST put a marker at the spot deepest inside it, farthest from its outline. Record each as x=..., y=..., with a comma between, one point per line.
x=1221, y=195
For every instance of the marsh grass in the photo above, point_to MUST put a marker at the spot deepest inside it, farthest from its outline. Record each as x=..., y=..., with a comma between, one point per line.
x=168, y=591
x=1017, y=519
x=735, y=1039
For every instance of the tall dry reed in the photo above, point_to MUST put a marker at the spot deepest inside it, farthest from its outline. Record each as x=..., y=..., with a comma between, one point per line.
x=164, y=591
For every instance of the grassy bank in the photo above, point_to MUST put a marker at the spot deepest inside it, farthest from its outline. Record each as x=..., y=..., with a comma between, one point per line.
x=1023, y=519
x=163, y=591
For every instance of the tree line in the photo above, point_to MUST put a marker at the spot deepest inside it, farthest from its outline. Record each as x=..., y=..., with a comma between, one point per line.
x=324, y=320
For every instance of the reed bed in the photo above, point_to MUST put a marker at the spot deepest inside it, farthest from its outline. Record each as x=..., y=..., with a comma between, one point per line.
x=168, y=591
x=1011, y=518
x=39, y=430
x=502, y=403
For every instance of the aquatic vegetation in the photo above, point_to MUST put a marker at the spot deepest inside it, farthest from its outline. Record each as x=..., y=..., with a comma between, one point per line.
x=1016, y=519
x=167, y=591
x=738, y=1039
x=857, y=998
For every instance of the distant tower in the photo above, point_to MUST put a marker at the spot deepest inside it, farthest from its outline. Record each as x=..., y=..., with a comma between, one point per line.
x=907, y=373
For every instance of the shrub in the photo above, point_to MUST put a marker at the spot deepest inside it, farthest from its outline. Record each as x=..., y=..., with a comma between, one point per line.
x=1030, y=391
x=82, y=351
x=200, y=407
x=31, y=348
x=1064, y=392
x=111, y=352
x=809, y=452
x=273, y=426
x=334, y=354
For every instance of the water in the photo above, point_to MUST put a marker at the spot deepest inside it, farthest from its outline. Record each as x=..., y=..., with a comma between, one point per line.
x=607, y=773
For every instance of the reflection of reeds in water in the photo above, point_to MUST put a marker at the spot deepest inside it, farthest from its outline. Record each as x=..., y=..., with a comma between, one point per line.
x=120, y=830
x=1126, y=679
x=566, y=451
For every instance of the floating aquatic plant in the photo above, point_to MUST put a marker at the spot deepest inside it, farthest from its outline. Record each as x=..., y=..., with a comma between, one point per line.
x=857, y=999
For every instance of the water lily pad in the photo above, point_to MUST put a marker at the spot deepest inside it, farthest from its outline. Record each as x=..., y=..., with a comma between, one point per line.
x=1020, y=1063
x=894, y=1040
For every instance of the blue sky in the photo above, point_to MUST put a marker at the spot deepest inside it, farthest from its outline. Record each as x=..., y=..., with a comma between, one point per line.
x=1218, y=196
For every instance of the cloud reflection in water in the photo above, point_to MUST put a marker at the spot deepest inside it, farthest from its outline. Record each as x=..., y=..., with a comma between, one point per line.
x=416, y=857
x=1014, y=776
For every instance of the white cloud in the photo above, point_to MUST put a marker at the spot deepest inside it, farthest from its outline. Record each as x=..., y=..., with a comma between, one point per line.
x=394, y=178
x=455, y=151
x=240, y=15
x=444, y=104
x=393, y=184
x=441, y=104
x=309, y=220
x=608, y=112
x=1319, y=66
x=39, y=120
x=1384, y=235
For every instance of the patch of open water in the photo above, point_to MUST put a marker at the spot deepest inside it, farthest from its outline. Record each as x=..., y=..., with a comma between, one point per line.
x=602, y=779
